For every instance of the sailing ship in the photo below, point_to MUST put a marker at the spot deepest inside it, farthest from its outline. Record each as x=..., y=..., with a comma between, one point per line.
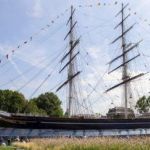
x=82, y=123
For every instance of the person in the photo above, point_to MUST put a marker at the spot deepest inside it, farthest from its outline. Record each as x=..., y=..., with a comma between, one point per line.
x=2, y=142
x=9, y=141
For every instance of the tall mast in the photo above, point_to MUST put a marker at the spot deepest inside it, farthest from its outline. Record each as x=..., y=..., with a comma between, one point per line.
x=126, y=48
x=125, y=66
x=71, y=55
x=70, y=70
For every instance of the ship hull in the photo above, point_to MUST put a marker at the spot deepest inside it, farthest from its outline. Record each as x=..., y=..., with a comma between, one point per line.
x=34, y=122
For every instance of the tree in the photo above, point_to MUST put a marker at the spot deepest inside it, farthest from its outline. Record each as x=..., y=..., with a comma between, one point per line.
x=143, y=104
x=45, y=104
x=31, y=108
x=50, y=103
x=11, y=101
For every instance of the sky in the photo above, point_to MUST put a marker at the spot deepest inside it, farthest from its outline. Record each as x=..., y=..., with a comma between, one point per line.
x=31, y=63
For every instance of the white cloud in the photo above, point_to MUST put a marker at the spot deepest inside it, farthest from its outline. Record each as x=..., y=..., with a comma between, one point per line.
x=37, y=10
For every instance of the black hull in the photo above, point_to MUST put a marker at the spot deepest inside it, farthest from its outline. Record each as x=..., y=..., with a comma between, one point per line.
x=32, y=122
x=83, y=126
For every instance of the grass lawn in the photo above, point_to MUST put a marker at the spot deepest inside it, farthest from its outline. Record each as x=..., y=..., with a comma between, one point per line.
x=7, y=148
x=138, y=143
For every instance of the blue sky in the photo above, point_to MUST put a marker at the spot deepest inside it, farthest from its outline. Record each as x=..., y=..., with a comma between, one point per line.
x=24, y=18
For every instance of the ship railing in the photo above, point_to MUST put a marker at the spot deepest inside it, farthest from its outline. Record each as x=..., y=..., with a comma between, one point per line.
x=24, y=114
x=3, y=113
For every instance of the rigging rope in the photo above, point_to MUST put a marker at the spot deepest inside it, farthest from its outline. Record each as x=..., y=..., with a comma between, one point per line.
x=41, y=84
x=31, y=68
x=40, y=71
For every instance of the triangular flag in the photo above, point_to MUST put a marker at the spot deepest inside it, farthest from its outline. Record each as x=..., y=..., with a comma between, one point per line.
x=7, y=56
x=13, y=51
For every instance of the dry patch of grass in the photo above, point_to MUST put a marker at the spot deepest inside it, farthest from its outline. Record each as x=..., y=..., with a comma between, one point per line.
x=138, y=143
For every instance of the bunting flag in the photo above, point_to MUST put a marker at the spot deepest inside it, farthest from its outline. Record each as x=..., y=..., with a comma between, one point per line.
x=31, y=38
x=18, y=46
x=7, y=56
x=111, y=4
x=98, y=4
x=13, y=51
x=48, y=25
x=144, y=20
x=116, y=3
x=62, y=14
x=35, y=34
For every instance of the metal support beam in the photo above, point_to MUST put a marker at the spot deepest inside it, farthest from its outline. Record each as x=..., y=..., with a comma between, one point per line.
x=74, y=45
x=128, y=50
x=70, y=79
x=70, y=30
x=121, y=22
x=123, y=33
x=122, y=9
x=124, y=63
x=124, y=82
x=69, y=62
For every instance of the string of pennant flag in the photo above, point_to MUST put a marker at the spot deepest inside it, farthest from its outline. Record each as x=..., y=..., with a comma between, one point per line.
x=45, y=28
x=99, y=4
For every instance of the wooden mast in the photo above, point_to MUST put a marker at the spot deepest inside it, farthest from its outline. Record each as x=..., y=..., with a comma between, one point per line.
x=71, y=55
x=126, y=48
